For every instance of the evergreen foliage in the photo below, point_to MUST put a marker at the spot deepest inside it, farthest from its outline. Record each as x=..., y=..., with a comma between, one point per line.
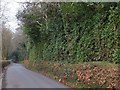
x=72, y=32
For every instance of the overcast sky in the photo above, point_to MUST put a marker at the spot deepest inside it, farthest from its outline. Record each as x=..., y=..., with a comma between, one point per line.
x=11, y=8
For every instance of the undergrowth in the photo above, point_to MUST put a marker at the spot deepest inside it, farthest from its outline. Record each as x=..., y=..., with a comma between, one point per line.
x=83, y=75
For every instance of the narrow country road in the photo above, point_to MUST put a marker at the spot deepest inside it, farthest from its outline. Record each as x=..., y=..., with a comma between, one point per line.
x=17, y=76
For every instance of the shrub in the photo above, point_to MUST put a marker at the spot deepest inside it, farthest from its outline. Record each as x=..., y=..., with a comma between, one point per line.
x=4, y=63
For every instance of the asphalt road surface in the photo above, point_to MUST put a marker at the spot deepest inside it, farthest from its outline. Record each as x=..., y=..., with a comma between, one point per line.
x=17, y=76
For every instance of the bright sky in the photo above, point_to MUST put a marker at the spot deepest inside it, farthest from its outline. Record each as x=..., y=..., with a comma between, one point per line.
x=11, y=9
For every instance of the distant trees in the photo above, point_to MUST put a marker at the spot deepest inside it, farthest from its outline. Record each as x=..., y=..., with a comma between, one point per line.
x=9, y=43
x=6, y=40
x=18, y=48
x=0, y=43
x=2, y=24
x=71, y=32
x=12, y=45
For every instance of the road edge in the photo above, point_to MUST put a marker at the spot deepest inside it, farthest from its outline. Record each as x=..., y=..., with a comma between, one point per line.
x=1, y=79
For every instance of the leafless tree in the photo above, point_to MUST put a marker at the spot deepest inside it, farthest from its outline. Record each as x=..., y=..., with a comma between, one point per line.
x=3, y=20
x=17, y=39
x=6, y=40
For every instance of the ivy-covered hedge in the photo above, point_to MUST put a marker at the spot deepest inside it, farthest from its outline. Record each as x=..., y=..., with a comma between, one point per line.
x=72, y=32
